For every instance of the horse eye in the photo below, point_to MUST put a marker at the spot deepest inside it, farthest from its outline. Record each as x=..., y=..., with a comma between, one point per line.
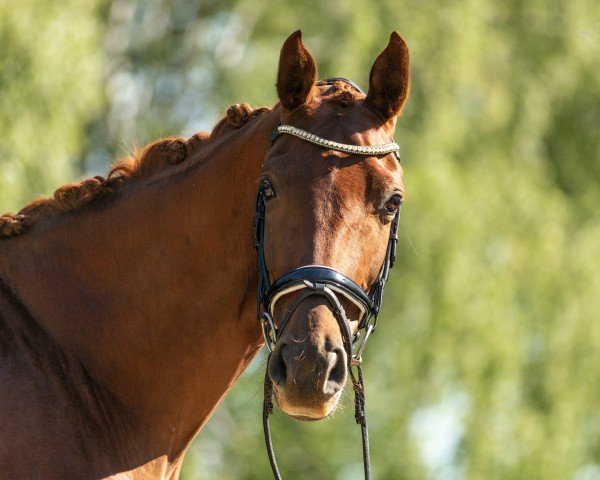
x=267, y=190
x=393, y=204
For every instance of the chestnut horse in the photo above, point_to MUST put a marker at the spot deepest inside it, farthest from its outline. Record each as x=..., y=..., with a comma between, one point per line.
x=128, y=303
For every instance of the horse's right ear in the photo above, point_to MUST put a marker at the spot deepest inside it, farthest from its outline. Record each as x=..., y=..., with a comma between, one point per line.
x=297, y=72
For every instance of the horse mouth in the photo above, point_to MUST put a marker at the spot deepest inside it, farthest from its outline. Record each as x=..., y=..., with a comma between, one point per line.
x=303, y=418
x=299, y=410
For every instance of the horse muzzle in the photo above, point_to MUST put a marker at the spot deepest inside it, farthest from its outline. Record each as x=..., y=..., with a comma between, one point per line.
x=309, y=364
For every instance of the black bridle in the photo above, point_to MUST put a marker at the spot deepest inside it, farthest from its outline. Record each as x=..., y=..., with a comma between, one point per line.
x=328, y=283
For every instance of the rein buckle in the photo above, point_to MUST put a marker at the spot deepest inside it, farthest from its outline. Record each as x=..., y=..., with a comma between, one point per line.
x=269, y=330
x=357, y=357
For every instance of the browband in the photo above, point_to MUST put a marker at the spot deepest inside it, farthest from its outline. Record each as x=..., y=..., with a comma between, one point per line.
x=386, y=148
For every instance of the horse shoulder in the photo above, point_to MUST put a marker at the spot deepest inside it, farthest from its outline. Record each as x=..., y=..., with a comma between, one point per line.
x=52, y=414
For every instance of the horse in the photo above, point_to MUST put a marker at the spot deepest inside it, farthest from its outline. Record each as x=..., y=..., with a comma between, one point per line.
x=128, y=302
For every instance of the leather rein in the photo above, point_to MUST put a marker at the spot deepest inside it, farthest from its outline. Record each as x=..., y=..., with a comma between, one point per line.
x=325, y=282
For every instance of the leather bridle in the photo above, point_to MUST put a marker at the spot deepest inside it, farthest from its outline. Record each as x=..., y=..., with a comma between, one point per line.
x=320, y=280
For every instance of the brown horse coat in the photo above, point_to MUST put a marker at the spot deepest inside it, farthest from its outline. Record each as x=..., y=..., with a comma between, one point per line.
x=127, y=303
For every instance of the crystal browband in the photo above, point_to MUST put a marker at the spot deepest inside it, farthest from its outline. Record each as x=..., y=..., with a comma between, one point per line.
x=342, y=147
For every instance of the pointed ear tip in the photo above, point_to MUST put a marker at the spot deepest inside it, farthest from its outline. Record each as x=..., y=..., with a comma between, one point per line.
x=293, y=43
x=395, y=37
x=294, y=40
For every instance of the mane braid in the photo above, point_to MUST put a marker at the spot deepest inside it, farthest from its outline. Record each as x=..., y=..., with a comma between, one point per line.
x=141, y=164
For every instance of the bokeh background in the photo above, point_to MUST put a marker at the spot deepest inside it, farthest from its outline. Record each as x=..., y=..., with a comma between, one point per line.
x=486, y=364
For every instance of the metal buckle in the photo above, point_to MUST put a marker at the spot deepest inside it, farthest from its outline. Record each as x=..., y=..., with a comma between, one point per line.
x=357, y=357
x=269, y=330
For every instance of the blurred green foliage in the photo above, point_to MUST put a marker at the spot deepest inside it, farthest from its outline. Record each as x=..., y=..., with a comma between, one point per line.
x=485, y=364
x=50, y=88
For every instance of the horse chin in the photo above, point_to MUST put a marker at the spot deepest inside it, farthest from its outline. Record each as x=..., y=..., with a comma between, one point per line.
x=307, y=413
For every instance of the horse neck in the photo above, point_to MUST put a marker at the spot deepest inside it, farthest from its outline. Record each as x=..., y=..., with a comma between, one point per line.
x=154, y=294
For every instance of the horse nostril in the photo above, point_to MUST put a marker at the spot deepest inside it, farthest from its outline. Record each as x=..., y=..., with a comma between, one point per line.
x=278, y=367
x=336, y=377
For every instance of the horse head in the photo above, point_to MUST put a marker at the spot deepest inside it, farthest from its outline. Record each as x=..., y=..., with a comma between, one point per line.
x=329, y=208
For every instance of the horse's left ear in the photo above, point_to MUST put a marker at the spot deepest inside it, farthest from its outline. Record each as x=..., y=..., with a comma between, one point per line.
x=297, y=72
x=389, y=78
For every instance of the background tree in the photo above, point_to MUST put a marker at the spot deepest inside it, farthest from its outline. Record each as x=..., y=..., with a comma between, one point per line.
x=50, y=88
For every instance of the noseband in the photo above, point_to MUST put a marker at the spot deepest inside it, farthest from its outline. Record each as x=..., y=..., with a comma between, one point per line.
x=326, y=282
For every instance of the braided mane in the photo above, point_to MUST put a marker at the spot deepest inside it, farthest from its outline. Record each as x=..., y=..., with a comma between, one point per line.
x=155, y=157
